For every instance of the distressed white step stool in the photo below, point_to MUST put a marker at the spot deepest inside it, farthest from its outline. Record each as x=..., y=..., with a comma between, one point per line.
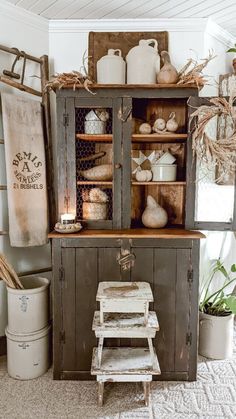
x=124, y=365
x=124, y=313
x=124, y=297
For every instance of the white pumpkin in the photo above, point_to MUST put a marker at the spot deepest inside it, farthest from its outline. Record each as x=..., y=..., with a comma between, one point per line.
x=143, y=175
x=159, y=125
x=145, y=128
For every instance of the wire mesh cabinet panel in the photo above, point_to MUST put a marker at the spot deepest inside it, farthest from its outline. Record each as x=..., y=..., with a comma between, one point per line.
x=211, y=195
x=90, y=160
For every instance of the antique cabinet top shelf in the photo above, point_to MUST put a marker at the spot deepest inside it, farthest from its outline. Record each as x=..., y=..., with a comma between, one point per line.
x=133, y=86
x=130, y=90
x=142, y=233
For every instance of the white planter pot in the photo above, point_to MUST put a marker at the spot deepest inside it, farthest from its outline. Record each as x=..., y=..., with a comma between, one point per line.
x=28, y=355
x=28, y=309
x=216, y=336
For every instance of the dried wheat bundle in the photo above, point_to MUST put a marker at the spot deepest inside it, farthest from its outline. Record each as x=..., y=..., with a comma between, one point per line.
x=8, y=274
x=219, y=152
x=191, y=73
x=73, y=79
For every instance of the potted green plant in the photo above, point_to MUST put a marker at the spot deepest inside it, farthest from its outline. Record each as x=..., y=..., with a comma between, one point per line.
x=217, y=310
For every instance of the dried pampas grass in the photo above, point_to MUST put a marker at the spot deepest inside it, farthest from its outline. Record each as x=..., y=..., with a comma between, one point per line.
x=8, y=274
x=219, y=152
x=73, y=79
x=191, y=73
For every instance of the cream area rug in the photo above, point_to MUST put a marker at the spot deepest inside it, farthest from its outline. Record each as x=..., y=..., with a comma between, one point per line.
x=212, y=396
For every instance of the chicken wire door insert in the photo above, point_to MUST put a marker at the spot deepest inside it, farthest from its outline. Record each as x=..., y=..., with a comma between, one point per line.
x=210, y=201
x=98, y=162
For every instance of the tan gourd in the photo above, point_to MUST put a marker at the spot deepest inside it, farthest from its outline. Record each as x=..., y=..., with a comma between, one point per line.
x=154, y=216
x=101, y=172
x=168, y=73
x=145, y=128
x=143, y=175
x=159, y=125
x=172, y=124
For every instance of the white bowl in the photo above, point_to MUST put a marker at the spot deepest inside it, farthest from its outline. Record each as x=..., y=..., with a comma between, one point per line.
x=166, y=158
x=164, y=172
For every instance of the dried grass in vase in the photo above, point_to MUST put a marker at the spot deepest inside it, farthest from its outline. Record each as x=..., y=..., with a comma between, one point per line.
x=191, y=73
x=8, y=274
x=219, y=152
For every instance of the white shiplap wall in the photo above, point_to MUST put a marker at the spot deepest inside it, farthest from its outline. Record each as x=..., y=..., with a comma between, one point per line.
x=222, y=12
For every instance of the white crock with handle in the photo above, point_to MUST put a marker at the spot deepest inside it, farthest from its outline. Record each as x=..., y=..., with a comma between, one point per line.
x=143, y=62
x=111, y=68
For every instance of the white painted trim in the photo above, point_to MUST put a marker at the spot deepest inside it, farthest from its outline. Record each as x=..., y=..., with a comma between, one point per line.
x=219, y=33
x=119, y=25
x=23, y=16
x=131, y=25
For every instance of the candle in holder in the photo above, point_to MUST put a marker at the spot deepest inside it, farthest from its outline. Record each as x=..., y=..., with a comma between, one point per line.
x=67, y=219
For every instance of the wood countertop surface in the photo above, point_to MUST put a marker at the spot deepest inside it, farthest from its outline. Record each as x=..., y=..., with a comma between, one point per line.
x=135, y=233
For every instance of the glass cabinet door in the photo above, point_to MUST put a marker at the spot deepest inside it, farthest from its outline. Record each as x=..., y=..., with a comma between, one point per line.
x=92, y=167
x=210, y=202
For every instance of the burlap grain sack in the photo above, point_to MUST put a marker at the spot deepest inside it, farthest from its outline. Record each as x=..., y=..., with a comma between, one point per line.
x=26, y=171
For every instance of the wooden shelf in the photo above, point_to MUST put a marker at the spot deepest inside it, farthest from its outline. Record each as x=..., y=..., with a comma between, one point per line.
x=159, y=138
x=176, y=183
x=130, y=361
x=136, y=138
x=94, y=182
x=133, y=86
x=94, y=137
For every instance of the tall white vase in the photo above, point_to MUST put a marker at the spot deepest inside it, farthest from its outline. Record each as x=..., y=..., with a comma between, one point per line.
x=216, y=336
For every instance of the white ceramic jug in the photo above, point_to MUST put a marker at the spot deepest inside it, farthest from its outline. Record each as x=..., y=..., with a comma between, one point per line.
x=143, y=63
x=111, y=68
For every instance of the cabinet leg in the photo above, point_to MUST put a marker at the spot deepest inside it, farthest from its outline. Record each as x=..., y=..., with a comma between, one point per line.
x=146, y=386
x=100, y=393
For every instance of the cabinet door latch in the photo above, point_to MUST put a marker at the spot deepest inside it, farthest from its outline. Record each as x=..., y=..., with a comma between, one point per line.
x=62, y=336
x=65, y=119
x=124, y=113
x=190, y=276
x=189, y=338
x=126, y=260
x=61, y=274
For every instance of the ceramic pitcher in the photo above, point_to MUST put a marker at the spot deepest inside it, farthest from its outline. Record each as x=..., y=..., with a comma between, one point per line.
x=111, y=68
x=143, y=62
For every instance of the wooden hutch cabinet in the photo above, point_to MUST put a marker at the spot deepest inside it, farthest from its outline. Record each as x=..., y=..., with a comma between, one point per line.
x=166, y=258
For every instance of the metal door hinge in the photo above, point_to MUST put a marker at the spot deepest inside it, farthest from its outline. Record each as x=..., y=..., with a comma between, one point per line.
x=62, y=337
x=61, y=274
x=190, y=276
x=65, y=119
x=189, y=338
